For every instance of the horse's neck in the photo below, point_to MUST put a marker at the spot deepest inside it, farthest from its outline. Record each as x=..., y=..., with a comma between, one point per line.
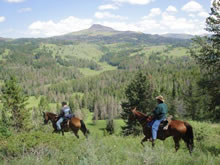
x=141, y=118
x=140, y=114
x=52, y=117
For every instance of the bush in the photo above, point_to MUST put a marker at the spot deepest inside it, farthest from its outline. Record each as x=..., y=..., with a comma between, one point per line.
x=4, y=131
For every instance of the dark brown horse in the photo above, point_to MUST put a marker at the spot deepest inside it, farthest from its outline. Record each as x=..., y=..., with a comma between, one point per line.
x=74, y=124
x=176, y=128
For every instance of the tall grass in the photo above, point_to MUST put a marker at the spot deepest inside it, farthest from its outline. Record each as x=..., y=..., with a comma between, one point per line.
x=42, y=147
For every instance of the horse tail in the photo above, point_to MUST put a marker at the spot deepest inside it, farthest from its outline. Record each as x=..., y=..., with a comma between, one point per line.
x=83, y=128
x=189, y=134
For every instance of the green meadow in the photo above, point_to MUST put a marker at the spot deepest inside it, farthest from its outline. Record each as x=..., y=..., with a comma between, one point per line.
x=40, y=146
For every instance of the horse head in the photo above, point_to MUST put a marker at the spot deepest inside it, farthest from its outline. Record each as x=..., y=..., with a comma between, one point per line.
x=139, y=115
x=49, y=116
x=46, y=118
x=133, y=114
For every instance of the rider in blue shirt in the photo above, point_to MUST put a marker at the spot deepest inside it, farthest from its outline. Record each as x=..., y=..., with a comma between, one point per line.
x=64, y=113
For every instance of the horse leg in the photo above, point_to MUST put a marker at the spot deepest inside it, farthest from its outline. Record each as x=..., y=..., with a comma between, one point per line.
x=189, y=146
x=153, y=143
x=176, y=140
x=76, y=133
x=83, y=128
x=143, y=140
x=62, y=132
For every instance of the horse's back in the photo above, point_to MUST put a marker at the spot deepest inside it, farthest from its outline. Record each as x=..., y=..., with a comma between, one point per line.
x=178, y=125
x=75, y=122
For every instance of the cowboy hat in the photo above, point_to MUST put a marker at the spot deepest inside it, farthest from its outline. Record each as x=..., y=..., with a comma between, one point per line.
x=160, y=98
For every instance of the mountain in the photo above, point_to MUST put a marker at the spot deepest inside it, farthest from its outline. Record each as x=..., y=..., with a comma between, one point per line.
x=178, y=35
x=3, y=39
x=100, y=28
x=102, y=34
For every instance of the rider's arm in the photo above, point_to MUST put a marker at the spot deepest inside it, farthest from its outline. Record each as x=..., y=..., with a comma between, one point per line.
x=156, y=112
x=61, y=113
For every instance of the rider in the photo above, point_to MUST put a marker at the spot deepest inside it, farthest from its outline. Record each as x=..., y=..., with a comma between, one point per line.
x=159, y=114
x=64, y=113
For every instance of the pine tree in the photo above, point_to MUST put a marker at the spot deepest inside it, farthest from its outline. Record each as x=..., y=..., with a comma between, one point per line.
x=191, y=101
x=138, y=94
x=43, y=104
x=14, y=106
x=207, y=54
x=172, y=110
x=110, y=126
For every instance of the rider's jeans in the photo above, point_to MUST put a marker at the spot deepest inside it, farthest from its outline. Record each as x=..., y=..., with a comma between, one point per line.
x=155, y=127
x=59, y=122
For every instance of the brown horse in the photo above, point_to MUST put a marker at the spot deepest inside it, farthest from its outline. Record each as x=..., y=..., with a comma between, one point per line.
x=74, y=124
x=176, y=128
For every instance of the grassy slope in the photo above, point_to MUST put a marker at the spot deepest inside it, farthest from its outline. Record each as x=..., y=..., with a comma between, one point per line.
x=81, y=50
x=39, y=147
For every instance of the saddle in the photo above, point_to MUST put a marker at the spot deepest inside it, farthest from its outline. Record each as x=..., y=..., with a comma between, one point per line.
x=165, y=123
x=66, y=121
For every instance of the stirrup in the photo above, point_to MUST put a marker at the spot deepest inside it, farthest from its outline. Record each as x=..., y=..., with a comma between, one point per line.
x=150, y=139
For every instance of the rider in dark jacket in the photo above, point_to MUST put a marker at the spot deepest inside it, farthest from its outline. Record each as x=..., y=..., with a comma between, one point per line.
x=64, y=113
x=159, y=114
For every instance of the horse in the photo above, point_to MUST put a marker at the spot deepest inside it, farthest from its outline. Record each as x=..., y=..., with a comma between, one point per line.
x=176, y=128
x=74, y=124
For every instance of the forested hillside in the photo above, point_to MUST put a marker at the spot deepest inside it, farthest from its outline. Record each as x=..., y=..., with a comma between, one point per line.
x=97, y=62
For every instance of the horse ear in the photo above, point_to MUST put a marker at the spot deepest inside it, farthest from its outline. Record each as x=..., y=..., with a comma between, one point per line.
x=134, y=109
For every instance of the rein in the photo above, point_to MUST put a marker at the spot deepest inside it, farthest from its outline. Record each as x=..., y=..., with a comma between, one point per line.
x=142, y=118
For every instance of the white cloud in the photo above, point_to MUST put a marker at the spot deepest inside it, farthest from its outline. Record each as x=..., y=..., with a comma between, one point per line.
x=203, y=14
x=107, y=7
x=174, y=23
x=192, y=6
x=211, y=2
x=171, y=9
x=122, y=26
x=51, y=28
x=153, y=12
x=15, y=1
x=166, y=23
x=104, y=15
x=2, y=19
x=192, y=15
x=134, y=2
x=24, y=10
x=148, y=25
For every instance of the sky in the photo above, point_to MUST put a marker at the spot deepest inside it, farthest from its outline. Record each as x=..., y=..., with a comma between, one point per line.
x=46, y=18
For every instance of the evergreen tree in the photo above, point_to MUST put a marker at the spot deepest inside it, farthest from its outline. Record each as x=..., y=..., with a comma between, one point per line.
x=73, y=103
x=138, y=94
x=14, y=106
x=43, y=104
x=207, y=54
x=191, y=102
x=172, y=110
x=110, y=127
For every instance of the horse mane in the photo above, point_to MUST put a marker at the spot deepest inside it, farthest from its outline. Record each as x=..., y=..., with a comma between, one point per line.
x=140, y=113
x=50, y=113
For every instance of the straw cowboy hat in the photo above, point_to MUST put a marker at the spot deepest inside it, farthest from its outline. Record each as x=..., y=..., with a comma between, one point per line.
x=160, y=98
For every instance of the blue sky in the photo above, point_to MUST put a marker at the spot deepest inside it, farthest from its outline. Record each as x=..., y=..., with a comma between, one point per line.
x=45, y=18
